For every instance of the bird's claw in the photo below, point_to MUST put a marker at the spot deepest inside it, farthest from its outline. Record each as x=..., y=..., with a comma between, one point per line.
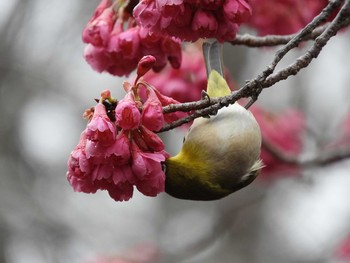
x=204, y=95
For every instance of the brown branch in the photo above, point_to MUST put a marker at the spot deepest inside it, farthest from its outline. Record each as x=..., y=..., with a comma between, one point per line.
x=323, y=158
x=272, y=40
x=254, y=87
x=339, y=22
x=298, y=38
x=211, y=110
x=189, y=106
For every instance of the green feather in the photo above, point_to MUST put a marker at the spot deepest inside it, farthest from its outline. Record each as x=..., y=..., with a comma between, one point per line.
x=217, y=85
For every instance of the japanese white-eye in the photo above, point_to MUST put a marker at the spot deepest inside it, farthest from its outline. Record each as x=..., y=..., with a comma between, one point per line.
x=220, y=154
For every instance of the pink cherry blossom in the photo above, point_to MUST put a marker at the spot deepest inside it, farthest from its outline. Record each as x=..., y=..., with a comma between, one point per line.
x=95, y=149
x=128, y=43
x=146, y=63
x=205, y=23
x=79, y=168
x=122, y=191
x=172, y=116
x=98, y=58
x=116, y=43
x=190, y=20
x=100, y=25
x=148, y=169
x=152, y=112
x=239, y=10
x=151, y=139
x=101, y=129
x=127, y=114
x=164, y=48
x=172, y=47
x=154, y=185
x=117, y=152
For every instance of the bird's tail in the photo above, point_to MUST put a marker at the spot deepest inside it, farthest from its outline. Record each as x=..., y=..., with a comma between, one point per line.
x=213, y=57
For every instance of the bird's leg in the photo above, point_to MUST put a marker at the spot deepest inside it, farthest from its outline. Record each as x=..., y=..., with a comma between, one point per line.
x=205, y=96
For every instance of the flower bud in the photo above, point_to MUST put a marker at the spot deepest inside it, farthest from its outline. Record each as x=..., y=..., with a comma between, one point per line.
x=146, y=63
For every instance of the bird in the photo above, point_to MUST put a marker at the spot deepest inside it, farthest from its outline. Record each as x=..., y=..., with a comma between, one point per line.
x=220, y=154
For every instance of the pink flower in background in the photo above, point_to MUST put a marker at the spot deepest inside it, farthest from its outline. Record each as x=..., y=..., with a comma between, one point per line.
x=186, y=83
x=109, y=260
x=347, y=125
x=116, y=43
x=343, y=251
x=143, y=253
x=343, y=136
x=346, y=129
x=190, y=20
x=283, y=131
x=116, y=154
x=282, y=17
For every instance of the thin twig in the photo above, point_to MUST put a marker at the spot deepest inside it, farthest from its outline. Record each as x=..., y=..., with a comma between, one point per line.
x=272, y=40
x=341, y=19
x=323, y=158
x=307, y=30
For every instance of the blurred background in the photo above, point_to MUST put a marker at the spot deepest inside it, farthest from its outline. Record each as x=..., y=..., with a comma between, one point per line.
x=45, y=86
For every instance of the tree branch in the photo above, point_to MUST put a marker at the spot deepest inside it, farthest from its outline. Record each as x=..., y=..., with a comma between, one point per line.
x=264, y=80
x=313, y=52
x=323, y=158
x=272, y=40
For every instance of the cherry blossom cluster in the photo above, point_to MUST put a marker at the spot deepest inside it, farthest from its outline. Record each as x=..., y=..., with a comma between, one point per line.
x=119, y=149
x=116, y=43
x=190, y=20
x=282, y=17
